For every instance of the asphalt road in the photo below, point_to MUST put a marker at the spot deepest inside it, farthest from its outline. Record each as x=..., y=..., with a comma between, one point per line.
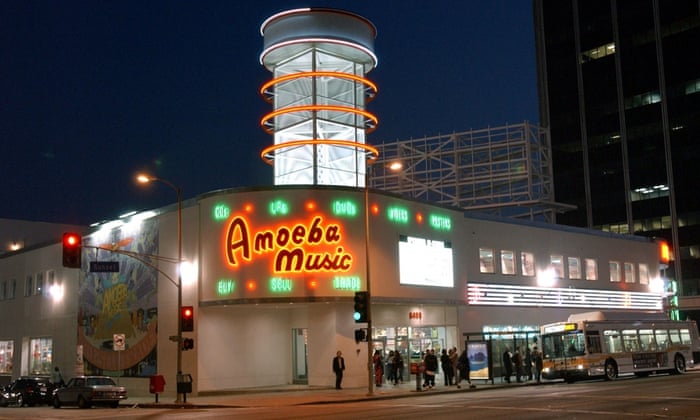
x=655, y=397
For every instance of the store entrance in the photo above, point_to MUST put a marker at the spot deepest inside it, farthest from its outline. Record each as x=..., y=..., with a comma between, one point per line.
x=411, y=343
x=300, y=356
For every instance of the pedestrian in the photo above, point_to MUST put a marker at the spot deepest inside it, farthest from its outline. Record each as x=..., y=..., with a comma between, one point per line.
x=431, y=367
x=57, y=378
x=518, y=365
x=390, y=369
x=378, y=367
x=464, y=369
x=507, y=364
x=537, y=363
x=398, y=366
x=446, y=365
x=338, y=368
x=454, y=355
x=528, y=363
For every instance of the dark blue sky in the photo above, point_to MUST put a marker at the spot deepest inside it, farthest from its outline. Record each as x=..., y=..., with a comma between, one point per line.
x=91, y=92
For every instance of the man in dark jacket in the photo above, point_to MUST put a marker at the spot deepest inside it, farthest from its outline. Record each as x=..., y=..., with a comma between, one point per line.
x=507, y=365
x=431, y=366
x=338, y=368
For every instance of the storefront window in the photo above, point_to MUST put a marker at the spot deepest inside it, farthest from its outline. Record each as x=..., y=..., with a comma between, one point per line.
x=40, y=356
x=6, y=354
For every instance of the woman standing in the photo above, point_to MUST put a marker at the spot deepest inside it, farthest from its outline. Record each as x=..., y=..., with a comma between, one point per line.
x=378, y=367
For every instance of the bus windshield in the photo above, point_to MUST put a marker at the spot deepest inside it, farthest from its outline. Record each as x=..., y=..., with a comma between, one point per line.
x=563, y=344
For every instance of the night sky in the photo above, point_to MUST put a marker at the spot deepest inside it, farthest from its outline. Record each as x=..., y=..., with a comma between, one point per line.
x=92, y=92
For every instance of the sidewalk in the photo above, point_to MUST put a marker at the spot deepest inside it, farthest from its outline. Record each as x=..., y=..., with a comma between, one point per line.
x=304, y=395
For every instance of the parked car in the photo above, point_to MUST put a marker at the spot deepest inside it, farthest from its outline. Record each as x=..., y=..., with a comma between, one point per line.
x=27, y=390
x=86, y=391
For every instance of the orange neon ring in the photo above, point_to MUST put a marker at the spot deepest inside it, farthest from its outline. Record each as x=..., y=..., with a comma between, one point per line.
x=373, y=152
x=291, y=109
x=366, y=82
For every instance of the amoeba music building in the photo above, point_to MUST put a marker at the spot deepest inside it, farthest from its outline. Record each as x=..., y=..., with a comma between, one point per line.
x=272, y=275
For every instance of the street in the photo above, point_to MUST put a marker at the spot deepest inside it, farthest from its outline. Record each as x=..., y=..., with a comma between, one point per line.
x=660, y=396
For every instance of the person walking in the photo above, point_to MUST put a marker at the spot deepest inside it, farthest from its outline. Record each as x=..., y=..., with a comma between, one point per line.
x=537, y=363
x=446, y=365
x=390, y=368
x=398, y=367
x=338, y=368
x=507, y=365
x=57, y=378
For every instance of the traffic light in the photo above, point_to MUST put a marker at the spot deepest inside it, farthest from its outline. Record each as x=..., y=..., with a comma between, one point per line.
x=360, y=335
x=72, y=248
x=361, y=307
x=188, y=343
x=187, y=318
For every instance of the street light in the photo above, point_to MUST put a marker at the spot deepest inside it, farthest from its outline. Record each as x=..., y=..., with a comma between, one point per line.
x=395, y=166
x=145, y=179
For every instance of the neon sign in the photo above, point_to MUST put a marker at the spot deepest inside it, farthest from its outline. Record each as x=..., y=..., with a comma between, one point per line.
x=280, y=285
x=221, y=212
x=397, y=214
x=344, y=208
x=291, y=246
x=346, y=283
x=278, y=208
x=225, y=287
x=439, y=222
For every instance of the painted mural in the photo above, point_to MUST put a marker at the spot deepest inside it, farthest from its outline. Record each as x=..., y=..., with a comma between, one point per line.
x=123, y=304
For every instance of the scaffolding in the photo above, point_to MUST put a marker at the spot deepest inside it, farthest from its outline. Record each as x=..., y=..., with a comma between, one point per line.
x=504, y=171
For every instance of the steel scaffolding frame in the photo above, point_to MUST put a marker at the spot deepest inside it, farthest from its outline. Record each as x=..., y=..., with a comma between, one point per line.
x=504, y=171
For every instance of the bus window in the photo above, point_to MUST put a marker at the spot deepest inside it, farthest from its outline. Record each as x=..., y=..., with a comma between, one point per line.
x=593, y=341
x=675, y=336
x=661, y=339
x=685, y=336
x=629, y=338
x=646, y=340
x=612, y=341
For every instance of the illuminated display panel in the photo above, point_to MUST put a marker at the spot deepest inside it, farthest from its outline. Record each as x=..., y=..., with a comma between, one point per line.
x=424, y=262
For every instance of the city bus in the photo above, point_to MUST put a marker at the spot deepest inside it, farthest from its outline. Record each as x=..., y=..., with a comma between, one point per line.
x=608, y=344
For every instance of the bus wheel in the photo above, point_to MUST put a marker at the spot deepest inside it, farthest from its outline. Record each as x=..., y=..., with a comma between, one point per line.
x=678, y=365
x=610, y=370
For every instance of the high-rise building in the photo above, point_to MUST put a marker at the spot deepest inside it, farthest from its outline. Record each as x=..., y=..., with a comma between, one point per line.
x=619, y=89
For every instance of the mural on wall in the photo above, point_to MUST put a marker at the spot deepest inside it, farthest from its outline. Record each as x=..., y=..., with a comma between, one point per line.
x=122, y=303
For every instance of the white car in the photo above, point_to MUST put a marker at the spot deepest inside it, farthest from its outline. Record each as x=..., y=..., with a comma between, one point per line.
x=86, y=391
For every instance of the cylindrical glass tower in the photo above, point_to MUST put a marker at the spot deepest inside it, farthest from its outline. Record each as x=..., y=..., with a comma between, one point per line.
x=319, y=58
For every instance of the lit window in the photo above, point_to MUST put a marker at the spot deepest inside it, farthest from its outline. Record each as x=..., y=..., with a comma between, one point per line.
x=574, y=268
x=486, y=260
x=557, y=262
x=527, y=264
x=507, y=262
x=39, y=285
x=643, y=274
x=591, y=269
x=629, y=272
x=614, y=271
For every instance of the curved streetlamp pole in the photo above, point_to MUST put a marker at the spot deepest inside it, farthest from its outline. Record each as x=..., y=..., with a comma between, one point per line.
x=144, y=179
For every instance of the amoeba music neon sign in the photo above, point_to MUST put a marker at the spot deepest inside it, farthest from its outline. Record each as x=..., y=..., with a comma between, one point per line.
x=313, y=246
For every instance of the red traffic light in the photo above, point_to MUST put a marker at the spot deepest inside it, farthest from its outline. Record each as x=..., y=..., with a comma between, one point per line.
x=72, y=248
x=187, y=318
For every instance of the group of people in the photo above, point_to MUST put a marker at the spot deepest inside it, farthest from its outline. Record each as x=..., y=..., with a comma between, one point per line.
x=393, y=367
x=455, y=367
x=524, y=368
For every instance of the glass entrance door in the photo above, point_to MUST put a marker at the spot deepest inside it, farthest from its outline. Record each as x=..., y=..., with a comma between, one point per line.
x=300, y=356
